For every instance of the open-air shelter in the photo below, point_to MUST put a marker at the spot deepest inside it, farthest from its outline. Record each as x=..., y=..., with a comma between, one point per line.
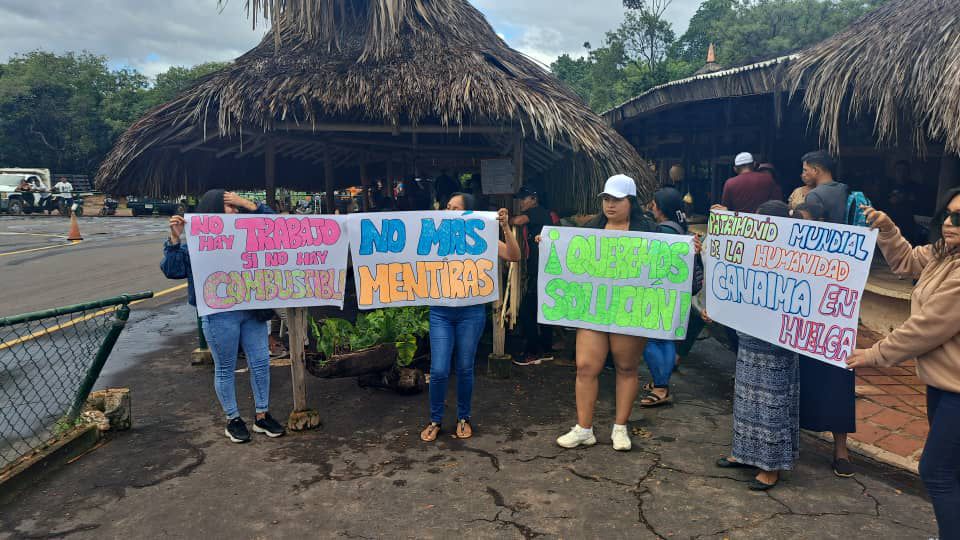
x=341, y=92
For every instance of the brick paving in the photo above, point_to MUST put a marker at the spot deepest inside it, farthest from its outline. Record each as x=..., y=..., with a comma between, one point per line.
x=891, y=414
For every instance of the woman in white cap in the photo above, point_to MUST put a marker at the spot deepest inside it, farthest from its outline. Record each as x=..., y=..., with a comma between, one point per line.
x=621, y=212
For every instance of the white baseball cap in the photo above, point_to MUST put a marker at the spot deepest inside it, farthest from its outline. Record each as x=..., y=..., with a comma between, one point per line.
x=743, y=158
x=620, y=186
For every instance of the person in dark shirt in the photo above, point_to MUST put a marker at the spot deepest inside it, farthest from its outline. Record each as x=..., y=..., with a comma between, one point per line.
x=827, y=398
x=445, y=186
x=746, y=191
x=831, y=195
x=539, y=338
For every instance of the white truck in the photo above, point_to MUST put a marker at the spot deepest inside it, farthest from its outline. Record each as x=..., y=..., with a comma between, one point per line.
x=27, y=191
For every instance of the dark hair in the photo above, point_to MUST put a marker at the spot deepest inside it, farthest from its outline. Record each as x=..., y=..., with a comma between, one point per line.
x=820, y=159
x=639, y=219
x=815, y=210
x=469, y=201
x=211, y=202
x=774, y=208
x=936, y=224
x=670, y=202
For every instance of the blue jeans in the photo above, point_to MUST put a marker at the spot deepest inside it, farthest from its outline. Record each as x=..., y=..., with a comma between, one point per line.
x=454, y=329
x=660, y=356
x=225, y=332
x=940, y=463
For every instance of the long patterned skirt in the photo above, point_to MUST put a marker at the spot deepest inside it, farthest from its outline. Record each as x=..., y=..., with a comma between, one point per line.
x=766, y=406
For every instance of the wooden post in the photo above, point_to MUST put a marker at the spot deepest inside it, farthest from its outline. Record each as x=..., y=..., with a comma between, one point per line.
x=301, y=418
x=270, y=172
x=328, y=182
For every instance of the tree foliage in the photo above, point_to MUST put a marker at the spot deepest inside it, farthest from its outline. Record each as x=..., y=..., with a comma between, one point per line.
x=64, y=111
x=644, y=51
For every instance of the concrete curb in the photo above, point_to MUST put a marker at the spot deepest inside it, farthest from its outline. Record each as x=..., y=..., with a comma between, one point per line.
x=30, y=469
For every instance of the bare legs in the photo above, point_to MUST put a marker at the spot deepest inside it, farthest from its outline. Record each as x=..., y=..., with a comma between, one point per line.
x=592, y=349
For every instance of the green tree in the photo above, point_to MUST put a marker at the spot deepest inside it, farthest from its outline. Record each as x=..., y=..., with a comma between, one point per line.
x=178, y=78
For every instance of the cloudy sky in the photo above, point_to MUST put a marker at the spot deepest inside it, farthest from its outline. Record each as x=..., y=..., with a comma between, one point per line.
x=151, y=36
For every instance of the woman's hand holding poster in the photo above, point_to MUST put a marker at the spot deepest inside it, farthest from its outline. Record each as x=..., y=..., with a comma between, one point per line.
x=620, y=282
x=265, y=261
x=425, y=258
x=795, y=284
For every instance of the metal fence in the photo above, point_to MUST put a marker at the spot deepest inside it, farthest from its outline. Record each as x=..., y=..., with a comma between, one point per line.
x=49, y=362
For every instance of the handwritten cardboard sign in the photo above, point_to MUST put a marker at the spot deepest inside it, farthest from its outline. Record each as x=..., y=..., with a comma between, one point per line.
x=795, y=284
x=424, y=258
x=621, y=282
x=263, y=261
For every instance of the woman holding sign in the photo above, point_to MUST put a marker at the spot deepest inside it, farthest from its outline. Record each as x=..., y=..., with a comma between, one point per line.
x=621, y=212
x=225, y=332
x=931, y=335
x=458, y=329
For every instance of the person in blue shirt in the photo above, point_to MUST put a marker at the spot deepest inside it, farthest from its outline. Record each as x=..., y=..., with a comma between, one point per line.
x=225, y=332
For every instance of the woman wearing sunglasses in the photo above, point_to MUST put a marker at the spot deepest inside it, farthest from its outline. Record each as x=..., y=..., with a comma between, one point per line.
x=931, y=335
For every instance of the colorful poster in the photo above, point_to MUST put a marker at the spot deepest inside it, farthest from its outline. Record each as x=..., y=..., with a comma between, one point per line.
x=265, y=261
x=795, y=284
x=631, y=283
x=425, y=258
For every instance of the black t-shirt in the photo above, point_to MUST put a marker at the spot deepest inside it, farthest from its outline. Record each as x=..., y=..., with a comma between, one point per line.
x=539, y=217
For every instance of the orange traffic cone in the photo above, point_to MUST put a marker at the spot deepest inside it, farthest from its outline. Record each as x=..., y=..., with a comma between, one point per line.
x=74, y=228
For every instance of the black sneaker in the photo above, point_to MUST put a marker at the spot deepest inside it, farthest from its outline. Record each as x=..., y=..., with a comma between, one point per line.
x=843, y=468
x=236, y=431
x=268, y=426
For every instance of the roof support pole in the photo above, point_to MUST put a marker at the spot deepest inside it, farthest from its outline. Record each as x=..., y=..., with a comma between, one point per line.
x=328, y=183
x=364, y=181
x=270, y=172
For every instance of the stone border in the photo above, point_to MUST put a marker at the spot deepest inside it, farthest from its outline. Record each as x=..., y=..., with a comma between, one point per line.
x=873, y=452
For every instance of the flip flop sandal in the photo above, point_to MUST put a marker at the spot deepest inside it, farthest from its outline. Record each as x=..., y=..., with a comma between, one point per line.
x=647, y=387
x=464, y=430
x=756, y=485
x=650, y=399
x=429, y=433
x=727, y=463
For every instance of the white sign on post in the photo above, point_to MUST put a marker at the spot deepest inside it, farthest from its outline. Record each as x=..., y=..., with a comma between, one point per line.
x=496, y=176
x=621, y=282
x=266, y=261
x=795, y=284
x=425, y=258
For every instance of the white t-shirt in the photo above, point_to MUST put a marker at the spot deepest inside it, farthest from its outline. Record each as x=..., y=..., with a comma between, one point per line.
x=64, y=187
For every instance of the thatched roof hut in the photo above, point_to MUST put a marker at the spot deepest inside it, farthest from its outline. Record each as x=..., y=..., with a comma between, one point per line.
x=339, y=83
x=899, y=64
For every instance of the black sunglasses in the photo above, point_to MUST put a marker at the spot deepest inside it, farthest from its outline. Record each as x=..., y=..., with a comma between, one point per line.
x=954, y=218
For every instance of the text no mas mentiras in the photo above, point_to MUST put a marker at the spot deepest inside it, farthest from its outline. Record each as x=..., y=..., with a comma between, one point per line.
x=223, y=290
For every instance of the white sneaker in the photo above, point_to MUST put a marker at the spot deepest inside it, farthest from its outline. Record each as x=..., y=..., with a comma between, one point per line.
x=621, y=438
x=577, y=436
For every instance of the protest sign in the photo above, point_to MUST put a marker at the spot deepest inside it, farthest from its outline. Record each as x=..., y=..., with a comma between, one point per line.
x=622, y=282
x=265, y=261
x=795, y=284
x=425, y=258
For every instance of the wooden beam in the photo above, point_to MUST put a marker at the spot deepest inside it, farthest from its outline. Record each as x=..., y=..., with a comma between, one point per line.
x=194, y=144
x=270, y=171
x=297, y=332
x=328, y=181
x=375, y=128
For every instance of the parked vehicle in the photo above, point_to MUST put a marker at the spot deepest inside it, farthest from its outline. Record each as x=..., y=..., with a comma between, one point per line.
x=27, y=191
x=146, y=206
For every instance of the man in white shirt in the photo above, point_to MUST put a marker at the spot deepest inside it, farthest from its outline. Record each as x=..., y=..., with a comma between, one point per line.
x=64, y=187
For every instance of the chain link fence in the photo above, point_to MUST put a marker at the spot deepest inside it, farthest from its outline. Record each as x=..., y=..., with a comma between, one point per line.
x=49, y=362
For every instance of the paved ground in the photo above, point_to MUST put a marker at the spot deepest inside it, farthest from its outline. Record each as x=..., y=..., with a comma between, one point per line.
x=366, y=474
x=41, y=270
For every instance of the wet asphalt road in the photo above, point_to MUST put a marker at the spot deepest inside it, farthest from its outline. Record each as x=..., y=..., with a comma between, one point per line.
x=41, y=270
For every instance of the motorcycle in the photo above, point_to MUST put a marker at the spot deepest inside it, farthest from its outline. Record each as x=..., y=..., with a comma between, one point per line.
x=109, y=207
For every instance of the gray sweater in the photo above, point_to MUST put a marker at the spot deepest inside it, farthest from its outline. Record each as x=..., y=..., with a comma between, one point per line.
x=833, y=198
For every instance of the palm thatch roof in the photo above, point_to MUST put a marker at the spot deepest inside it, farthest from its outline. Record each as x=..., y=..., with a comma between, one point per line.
x=760, y=78
x=899, y=64
x=352, y=80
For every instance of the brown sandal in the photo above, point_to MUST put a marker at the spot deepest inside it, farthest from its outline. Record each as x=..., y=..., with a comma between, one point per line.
x=429, y=433
x=652, y=399
x=464, y=430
